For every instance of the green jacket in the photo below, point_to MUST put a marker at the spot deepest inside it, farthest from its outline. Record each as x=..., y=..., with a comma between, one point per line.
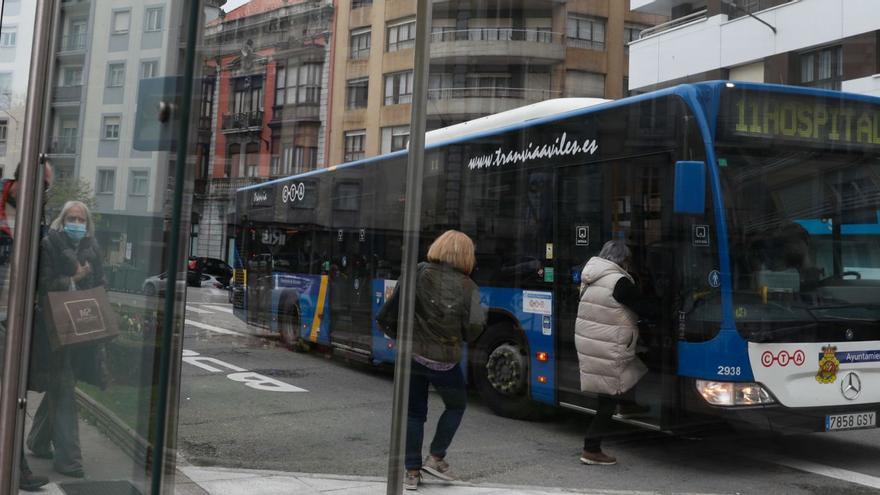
x=447, y=313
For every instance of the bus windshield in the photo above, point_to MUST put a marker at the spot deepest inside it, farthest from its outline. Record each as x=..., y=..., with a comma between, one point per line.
x=804, y=236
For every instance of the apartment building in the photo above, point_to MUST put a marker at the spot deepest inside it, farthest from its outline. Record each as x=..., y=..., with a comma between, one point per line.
x=263, y=113
x=485, y=58
x=833, y=44
x=16, y=33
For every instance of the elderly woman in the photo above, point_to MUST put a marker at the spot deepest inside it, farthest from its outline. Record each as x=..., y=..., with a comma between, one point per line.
x=69, y=260
x=606, y=334
x=448, y=313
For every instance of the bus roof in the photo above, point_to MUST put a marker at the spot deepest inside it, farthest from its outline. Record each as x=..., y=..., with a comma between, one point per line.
x=546, y=108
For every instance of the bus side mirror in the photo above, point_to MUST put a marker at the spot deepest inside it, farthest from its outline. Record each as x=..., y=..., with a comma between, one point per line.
x=690, y=188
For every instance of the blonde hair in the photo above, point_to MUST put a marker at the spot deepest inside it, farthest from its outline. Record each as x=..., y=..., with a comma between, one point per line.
x=58, y=223
x=455, y=249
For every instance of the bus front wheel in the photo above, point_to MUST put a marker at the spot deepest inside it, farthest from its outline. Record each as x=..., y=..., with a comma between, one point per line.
x=501, y=372
x=289, y=329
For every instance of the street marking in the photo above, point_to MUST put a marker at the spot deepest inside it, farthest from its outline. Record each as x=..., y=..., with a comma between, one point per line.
x=823, y=470
x=218, y=308
x=250, y=379
x=190, y=307
x=212, y=328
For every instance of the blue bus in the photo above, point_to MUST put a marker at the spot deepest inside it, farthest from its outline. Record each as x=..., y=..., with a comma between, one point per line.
x=753, y=215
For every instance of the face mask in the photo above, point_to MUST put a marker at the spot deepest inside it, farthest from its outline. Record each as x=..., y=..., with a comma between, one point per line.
x=75, y=231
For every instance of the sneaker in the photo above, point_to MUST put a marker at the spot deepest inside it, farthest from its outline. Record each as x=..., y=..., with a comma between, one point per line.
x=411, y=480
x=597, y=458
x=31, y=482
x=437, y=467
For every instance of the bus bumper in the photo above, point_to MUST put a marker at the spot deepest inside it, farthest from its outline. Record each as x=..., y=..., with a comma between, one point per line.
x=787, y=420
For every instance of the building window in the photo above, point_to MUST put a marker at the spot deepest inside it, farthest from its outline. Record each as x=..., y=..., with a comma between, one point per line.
x=149, y=69
x=116, y=75
x=121, y=21
x=631, y=33
x=111, y=127
x=275, y=156
x=398, y=87
x=252, y=159
x=442, y=33
x=153, y=19
x=248, y=95
x=580, y=83
x=298, y=84
x=360, y=43
x=7, y=37
x=106, y=182
x=356, y=4
x=4, y=129
x=356, y=90
x=822, y=68
x=305, y=158
x=395, y=138
x=354, y=145
x=140, y=183
x=231, y=168
x=72, y=76
x=585, y=32
x=401, y=35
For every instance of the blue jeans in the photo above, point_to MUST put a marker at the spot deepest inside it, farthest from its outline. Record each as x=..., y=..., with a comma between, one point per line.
x=451, y=387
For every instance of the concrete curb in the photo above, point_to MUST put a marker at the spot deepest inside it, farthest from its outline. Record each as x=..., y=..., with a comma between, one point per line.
x=131, y=443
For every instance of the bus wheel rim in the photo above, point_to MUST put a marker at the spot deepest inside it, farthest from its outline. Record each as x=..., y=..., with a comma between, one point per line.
x=505, y=369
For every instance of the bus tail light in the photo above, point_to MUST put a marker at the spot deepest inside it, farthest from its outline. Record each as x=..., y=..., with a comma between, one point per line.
x=733, y=393
x=542, y=357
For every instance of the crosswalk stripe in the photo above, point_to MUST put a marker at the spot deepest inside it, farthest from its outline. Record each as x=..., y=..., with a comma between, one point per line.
x=194, y=309
x=225, y=309
x=212, y=328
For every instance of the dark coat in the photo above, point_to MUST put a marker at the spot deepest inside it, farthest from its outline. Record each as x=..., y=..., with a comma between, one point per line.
x=447, y=313
x=59, y=258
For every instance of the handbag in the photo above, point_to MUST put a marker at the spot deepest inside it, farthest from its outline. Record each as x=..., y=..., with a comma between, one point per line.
x=80, y=316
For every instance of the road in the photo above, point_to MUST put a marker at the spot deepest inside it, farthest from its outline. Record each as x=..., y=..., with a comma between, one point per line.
x=264, y=407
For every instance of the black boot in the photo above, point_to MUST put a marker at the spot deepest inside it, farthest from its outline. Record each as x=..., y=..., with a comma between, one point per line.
x=31, y=482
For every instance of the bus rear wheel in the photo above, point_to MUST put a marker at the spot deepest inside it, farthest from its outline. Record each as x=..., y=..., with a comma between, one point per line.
x=501, y=372
x=289, y=329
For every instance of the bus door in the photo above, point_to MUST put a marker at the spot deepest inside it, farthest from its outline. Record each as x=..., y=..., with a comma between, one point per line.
x=350, y=279
x=620, y=199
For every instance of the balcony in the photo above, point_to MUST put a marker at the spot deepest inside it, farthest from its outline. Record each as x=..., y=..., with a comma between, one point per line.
x=243, y=122
x=67, y=94
x=290, y=114
x=65, y=145
x=498, y=45
x=73, y=44
x=478, y=101
x=75, y=5
x=224, y=187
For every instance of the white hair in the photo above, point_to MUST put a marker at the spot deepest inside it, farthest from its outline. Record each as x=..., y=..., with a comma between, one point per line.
x=58, y=223
x=616, y=252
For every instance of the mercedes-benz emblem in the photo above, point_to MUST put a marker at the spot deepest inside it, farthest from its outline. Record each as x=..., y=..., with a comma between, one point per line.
x=851, y=386
x=850, y=333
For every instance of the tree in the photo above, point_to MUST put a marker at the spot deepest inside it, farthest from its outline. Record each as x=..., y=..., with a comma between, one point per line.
x=70, y=189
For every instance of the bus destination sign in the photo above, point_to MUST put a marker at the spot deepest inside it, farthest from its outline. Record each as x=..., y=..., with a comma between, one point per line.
x=784, y=116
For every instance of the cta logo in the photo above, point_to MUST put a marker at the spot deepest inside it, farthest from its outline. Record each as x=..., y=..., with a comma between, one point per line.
x=783, y=358
x=293, y=193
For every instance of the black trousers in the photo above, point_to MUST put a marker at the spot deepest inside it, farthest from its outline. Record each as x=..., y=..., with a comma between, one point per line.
x=597, y=426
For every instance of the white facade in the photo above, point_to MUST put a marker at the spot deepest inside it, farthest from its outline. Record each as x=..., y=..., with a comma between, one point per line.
x=709, y=43
x=17, y=26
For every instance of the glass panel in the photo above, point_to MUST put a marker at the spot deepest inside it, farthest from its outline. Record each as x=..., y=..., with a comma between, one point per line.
x=104, y=318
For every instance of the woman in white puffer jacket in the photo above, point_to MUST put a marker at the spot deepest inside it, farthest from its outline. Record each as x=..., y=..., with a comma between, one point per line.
x=606, y=335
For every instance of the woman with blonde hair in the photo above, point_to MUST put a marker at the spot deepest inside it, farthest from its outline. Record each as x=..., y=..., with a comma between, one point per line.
x=447, y=314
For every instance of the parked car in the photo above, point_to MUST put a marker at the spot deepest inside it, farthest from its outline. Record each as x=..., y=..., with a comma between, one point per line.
x=155, y=285
x=217, y=268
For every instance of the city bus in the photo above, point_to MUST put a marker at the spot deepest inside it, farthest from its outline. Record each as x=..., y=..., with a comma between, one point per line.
x=752, y=212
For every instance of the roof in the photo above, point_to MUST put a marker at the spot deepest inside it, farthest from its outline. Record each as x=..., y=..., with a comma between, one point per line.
x=254, y=7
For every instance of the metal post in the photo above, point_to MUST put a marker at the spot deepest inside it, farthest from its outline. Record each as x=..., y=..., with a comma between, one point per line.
x=412, y=226
x=25, y=252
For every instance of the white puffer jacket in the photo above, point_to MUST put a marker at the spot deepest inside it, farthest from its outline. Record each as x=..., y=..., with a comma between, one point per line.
x=606, y=333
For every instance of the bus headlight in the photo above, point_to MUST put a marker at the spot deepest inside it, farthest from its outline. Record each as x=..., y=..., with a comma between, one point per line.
x=733, y=393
